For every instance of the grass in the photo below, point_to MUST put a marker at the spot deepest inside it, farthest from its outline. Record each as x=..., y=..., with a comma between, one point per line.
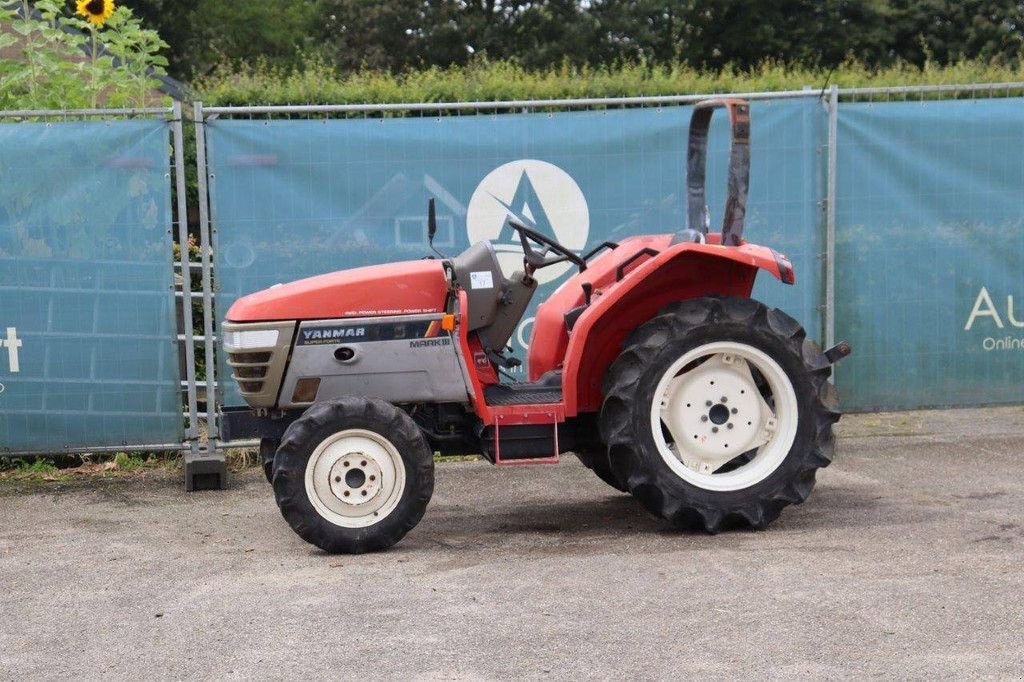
x=441, y=459
x=73, y=467
x=39, y=470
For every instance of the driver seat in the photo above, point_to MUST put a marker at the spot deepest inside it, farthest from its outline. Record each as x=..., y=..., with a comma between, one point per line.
x=496, y=303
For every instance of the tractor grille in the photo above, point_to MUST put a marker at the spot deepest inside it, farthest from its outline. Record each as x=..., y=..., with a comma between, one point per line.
x=250, y=370
x=257, y=353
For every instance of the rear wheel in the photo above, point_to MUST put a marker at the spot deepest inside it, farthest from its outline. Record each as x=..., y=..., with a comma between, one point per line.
x=353, y=475
x=597, y=461
x=718, y=412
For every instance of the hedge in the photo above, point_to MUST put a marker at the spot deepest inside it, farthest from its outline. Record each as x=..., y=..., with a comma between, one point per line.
x=319, y=83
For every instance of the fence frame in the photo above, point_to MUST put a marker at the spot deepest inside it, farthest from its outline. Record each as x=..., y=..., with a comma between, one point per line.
x=831, y=97
x=206, y=262
x=173, y=116
x=209, y=451
x=204, y=114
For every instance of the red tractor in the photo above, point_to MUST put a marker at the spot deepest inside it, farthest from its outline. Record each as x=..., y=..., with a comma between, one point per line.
x=652, y=364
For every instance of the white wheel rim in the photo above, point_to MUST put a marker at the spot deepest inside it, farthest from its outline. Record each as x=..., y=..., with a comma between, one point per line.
x=707, y=433
x=355, y=478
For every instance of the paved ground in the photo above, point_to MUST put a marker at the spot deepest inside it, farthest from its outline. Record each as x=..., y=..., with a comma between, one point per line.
x=906, y=562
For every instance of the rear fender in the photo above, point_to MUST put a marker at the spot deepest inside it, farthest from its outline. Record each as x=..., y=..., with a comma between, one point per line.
x=680, y=272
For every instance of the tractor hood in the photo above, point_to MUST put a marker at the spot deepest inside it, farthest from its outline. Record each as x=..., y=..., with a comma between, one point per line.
x=408, y=288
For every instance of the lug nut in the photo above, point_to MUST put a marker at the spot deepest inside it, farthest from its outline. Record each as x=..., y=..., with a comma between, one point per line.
x=714, y=429
x=337, y=479
x=734, y=410
x=709, y=403
x=346, y=493
x=725, y=399
x=704, y=418
x=729, y=425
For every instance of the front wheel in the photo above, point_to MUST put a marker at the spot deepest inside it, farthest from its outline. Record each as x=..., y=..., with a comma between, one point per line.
x=353, y=475
x=718, y=411
x=268, y=448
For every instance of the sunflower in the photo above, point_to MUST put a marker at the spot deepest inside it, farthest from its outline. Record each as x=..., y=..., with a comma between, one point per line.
x=95, y=11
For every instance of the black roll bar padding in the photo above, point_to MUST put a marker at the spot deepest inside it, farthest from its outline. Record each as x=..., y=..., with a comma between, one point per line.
x=739, y=167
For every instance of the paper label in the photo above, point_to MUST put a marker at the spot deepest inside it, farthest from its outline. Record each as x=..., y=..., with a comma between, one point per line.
x=481, y=280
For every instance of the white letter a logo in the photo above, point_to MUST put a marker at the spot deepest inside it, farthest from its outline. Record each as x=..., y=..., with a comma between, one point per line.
x=979, y=311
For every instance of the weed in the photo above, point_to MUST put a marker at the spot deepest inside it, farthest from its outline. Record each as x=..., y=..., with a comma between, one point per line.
x=128, y=461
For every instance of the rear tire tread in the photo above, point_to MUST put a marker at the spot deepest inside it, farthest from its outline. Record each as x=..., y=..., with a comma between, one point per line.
x=653, y=485
x=597, y=461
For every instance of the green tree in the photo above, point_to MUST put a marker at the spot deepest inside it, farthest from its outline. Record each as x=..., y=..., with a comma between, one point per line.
x=397, y=35
x=647, y=31
x=172, y=19
x=376, y=34
x=276, y=31
x=204, y=34
x=943, y=32
x=549, y=33
x=743, y=34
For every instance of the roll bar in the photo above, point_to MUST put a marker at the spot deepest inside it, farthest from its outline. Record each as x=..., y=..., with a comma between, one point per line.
x=739, y=167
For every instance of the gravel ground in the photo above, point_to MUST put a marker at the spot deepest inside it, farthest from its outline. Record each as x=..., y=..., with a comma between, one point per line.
x=905, y=562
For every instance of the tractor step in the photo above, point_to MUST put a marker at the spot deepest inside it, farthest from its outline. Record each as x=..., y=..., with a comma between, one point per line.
x=525, y=435
x=522, y=394
x=521, y=444
x=535, y=435
x=522, y=462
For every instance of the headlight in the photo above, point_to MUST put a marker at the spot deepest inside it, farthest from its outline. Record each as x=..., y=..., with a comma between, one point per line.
x=254, y=338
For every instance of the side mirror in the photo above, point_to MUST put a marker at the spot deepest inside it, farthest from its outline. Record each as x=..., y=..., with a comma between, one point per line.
x=431, y=221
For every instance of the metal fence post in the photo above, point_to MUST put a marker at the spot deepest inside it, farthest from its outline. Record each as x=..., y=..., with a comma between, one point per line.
x=192, y=432
x=205, y=245
x=204, y=468
x=830, y=218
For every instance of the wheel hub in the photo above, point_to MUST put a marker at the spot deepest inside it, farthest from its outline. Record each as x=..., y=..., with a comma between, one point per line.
x=715, y=412
x=719, y=414
x=355, y=478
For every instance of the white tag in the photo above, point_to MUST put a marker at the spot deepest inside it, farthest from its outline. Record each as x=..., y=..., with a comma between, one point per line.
x=481, y=280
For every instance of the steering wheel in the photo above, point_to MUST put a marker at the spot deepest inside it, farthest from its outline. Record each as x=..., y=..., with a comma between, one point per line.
x=538, y=258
